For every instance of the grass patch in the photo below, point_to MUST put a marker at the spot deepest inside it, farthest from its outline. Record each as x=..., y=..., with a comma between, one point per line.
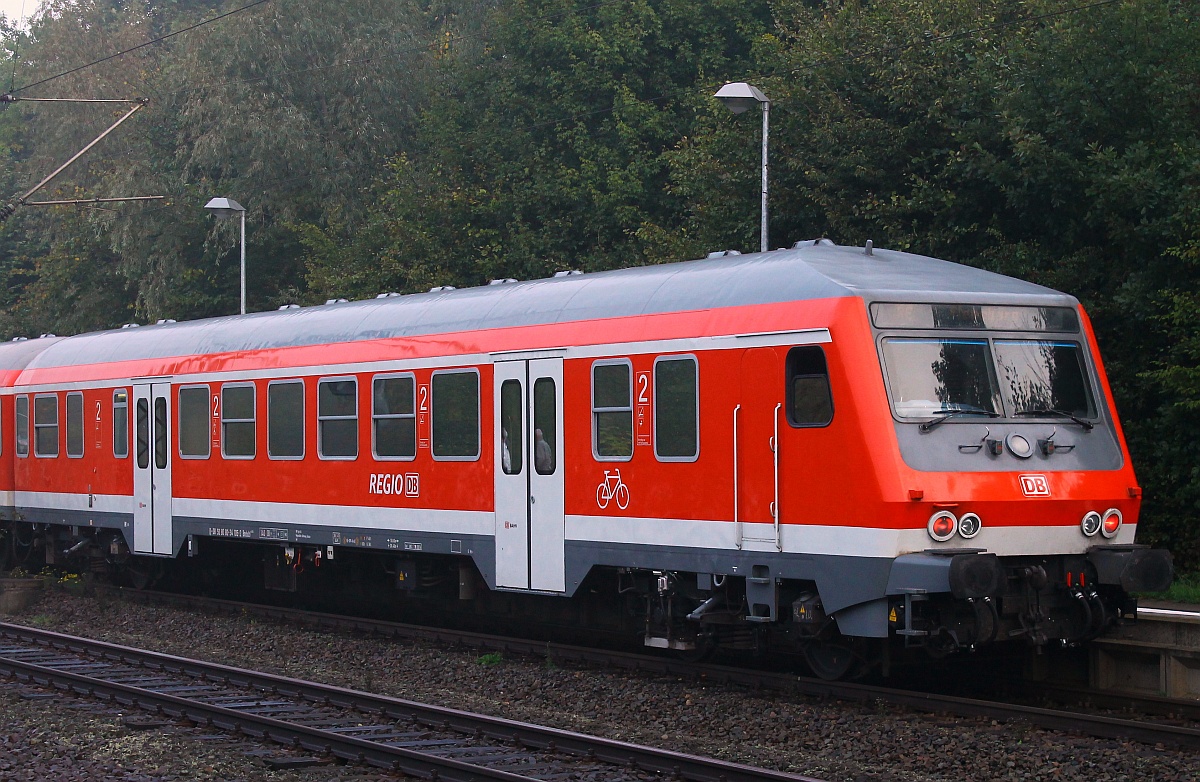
x=1185, y=589
x=491, y=658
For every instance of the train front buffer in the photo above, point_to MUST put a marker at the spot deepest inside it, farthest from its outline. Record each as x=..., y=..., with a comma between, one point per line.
x=949, y=600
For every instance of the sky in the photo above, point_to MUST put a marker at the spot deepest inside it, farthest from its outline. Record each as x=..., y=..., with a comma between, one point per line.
x=12, y=8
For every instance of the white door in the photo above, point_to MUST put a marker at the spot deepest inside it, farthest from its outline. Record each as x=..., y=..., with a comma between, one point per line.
x=152, y=469
x=512, y=476
x=530, y=514
x=547, y=511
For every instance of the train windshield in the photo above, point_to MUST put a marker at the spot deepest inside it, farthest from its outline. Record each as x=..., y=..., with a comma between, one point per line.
x=1038, y=375
x=932, y=376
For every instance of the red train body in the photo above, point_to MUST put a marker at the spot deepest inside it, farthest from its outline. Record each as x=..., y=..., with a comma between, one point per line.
x=813, y=446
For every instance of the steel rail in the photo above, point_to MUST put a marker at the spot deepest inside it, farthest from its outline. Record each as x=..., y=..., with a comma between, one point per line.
x=1099, y=726
x=629, y=758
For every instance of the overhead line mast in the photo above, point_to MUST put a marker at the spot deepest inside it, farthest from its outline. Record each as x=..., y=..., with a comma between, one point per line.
x=7, y=210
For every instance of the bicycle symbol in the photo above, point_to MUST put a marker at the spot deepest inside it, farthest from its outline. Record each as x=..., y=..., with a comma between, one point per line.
x=612, y=488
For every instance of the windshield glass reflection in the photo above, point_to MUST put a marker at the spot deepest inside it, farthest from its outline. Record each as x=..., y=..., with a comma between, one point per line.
x=932, y=376
x=1043, y=375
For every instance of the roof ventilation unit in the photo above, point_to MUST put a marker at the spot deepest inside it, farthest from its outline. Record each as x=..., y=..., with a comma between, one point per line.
x=502, y=281
x=123, y=325
x=336, y=301
x=442, y=288
x=163, y=321
x=48, y=334
x=568, y=273
x=289, y=306
x=388, y=295
x=822, y=242
x=723, y=253
x=20, y=339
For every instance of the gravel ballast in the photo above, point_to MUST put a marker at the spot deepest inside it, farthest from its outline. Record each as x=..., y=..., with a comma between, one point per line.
x=43, y=739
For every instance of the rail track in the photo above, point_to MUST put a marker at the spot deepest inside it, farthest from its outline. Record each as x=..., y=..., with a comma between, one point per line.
x=1180, y=726
x=416, y=739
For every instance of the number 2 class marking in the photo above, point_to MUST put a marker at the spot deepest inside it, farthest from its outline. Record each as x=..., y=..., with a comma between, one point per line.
x=643, y=389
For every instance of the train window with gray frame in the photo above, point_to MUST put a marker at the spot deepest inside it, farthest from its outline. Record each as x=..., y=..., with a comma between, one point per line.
x=676, y=409
x=285, y=419
x=455, y=415
x=612, y=410
x=120, y=419
x=393, y=417
x=337, y=418
x=237, y=421
x=75, y=425
x=809, y=400
x=21, y=426
x=194, y=439
x=45, y=425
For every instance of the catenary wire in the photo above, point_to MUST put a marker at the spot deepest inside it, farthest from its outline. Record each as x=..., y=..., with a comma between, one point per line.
x=144, y=44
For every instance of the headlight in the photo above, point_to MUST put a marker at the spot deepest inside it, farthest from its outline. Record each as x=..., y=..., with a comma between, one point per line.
x=969, y=525
x=1091, y=523
x=942, y=526
x=1112, y=523
x=1019, y=445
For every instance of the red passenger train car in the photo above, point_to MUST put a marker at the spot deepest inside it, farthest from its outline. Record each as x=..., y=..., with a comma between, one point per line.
x=829, y=449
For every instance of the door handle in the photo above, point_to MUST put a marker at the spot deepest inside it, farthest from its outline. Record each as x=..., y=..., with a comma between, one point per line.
x=532, y=499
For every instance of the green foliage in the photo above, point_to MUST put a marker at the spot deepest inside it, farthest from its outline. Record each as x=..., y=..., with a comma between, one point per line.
x=548, y=149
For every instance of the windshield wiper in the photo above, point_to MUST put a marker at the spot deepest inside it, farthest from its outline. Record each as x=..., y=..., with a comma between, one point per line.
x=944, y=414
x=1087, y=425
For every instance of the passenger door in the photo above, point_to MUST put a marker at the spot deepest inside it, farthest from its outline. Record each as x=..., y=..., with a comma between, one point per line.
x=756, y=421
x=530, y=488
x=152, y=469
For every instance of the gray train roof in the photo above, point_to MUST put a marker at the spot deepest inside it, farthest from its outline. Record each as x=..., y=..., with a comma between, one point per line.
x=16, y=355
x=813, y=271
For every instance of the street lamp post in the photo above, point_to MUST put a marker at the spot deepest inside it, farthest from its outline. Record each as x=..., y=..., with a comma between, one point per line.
x=227, y=207
x=739, y=97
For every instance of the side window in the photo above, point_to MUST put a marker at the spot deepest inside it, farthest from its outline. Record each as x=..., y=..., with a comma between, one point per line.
x=809, y=400
x=545, y=423
x=160, y=433
x=676, y=409
x=337, y=418
x=455, y=415
x=237, y=421
x=21, y=425
x=393, y=417
x=612, y=410
x=75, y=424
x=194, y=412
x=512, y=432
x=120, y=419
x=143, y=434
x=285, y=419
x=45, y=425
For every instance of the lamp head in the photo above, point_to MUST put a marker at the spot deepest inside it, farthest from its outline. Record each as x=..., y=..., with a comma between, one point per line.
x=224, y=207
x=740, y=96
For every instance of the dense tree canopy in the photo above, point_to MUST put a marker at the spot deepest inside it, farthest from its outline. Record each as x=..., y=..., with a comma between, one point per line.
x=394, y=144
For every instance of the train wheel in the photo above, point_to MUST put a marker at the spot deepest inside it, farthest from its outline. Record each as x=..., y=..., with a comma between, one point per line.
x=829, y=661
x=142, y=574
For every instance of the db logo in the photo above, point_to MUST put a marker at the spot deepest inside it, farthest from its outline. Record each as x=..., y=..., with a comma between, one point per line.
x=1035, y=486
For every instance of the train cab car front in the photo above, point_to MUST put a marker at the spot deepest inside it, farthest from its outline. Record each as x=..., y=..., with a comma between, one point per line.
x=1018, y=474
